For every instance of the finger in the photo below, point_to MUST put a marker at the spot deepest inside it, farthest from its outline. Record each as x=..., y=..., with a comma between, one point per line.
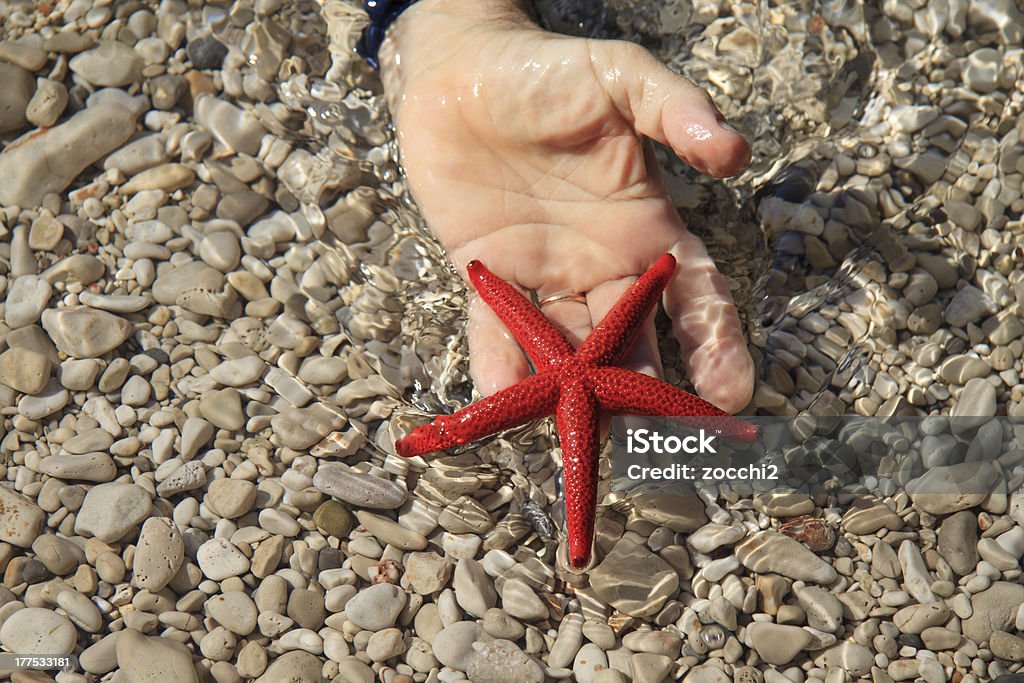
x=669, y=108
x=572, y=318
x=706, y=324
x=495, y=359
x=644, y=356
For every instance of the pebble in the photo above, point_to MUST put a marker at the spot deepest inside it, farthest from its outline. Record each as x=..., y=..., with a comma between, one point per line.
x=26, y=299
x=234, y=128
x=589, y=661
x=110, y=511
x=358, y=488
x=234, y=611
x=679, y=513
x=159, y=554
x=219, y=559
x=453, y=645
x=15, y=97
x=110, y=63
x=502, y=661
x=206, y=52
x=377, y=607
x=21, y=520
x=222, y=408
x=993, y=609
x=951, y=488
x=978, y=399
x=334, y=519
x=474, y=590
x=958, y=540
x=231, y=498
x=38, y=631
x=634, y=580
x=391, y=532
x=24, y=370
x=39, y=165
x=84, y=332
x=149, y=658
x=777, y=644
x=769, y=552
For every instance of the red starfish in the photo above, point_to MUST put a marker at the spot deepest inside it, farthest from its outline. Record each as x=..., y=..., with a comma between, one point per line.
x=574, y=384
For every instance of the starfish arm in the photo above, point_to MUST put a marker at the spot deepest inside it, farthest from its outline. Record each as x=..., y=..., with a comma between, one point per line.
x=624, y=391
x=541, y=340
x=529, y=400
x=615, y=334
x=580, y=439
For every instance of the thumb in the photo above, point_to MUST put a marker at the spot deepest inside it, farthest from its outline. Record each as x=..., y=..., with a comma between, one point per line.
x=669, y=108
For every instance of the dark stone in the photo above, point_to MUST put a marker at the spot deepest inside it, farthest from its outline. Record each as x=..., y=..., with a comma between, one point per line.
x=206, y=52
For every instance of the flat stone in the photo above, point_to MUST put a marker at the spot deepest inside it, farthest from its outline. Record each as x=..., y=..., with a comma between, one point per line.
x=634, y=580
x=220, y=559
x=868, y=514
x=334, y=519
x=359, y=488
x=993, y=609
x=38, y=631
x=110, y=511
x=97, y=467
x=172, y=282
x=769, y=552
x=376, y=607
x=235, y=128
x=391, y=532
x=21, y=520
x=110, y=63
x=39, y=163
x=117, y=303
x=24, y=370
x=958, y=542
x=474, y=590
x=84, y=332
x=51, y=399
x=231, y=498
x=159, y=554
x=916, y=618
x=783, y=503
x=847, y=656
x=777, y=644
x=233, y=610
x=15, y=96
x=59, y=555
x=1006, y=646
x=427, y=572
x=978, y=399
x=166, y=177
x=453, y=646
x=25, y=301
x=946, y=489
x=682, y=513
x=142, y=659
x=301, y=428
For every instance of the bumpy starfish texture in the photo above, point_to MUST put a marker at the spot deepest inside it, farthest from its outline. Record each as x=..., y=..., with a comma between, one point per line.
x=577, y=385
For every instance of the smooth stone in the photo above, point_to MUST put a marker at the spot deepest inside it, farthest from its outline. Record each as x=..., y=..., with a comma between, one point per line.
x=376, y=607
x=24, y=370
x=233, y=610
x=25, y=301
x=38, y=163
x=19, y=86
x=171, y=282
x=951, y=488
x=391, y=532
x=239, y=371
x=38, y=631
x=320, y=370
x=206, y=52
x=222, y=408
x=502, y=661
x=783, y=503
x=110, y=511
x=109, y=64
x=231, y=498
x=118, y=303
x=634, y=580
x=358, y=488
x=993, y=609
x=83, y=332
x=824, y=611
x=777, y=644
x=195, y=433
x=51, y=399
x=520, y=601
x=1007, y=646
x=21, y=520
x=219, y=559
x=938, y=638
x=235, y=128
x=45, y=233
x=915, y=619
x=474, y=590
x=709, y=673
x=684, y=513
x=589, y=661
x=97, y=467
x=296, y=665
x=652, y=642
x=978, y=399
x=221, y=250
x=58, y=554
x=961, y=368
x=710, y=537
x=81, y=268
x=166, y=177
x=334, y=519
x=867, y=514
x=769, y=552
x=81, y=610
x=498, y=624
x=847, y=656
x=969, y=305
x=159, y=554
x=383, y=645
x=958, y=541
x=453, y=646
x=301, y=428
x=142, y=659
x=138, y=155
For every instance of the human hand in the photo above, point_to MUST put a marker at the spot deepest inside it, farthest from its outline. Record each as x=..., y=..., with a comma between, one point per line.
x=526, y=150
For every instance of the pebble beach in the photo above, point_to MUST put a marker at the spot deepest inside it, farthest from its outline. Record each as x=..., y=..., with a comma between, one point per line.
x=220, y=308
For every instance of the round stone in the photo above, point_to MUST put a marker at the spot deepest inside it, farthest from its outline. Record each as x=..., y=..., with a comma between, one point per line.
x=35, y=631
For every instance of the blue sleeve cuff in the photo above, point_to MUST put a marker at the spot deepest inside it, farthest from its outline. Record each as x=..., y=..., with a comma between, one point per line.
x=382, y=14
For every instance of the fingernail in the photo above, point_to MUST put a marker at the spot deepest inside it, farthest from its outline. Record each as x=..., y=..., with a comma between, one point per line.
x=727, y=126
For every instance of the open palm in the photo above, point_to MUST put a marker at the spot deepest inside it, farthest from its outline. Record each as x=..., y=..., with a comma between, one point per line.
x=529, y=151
